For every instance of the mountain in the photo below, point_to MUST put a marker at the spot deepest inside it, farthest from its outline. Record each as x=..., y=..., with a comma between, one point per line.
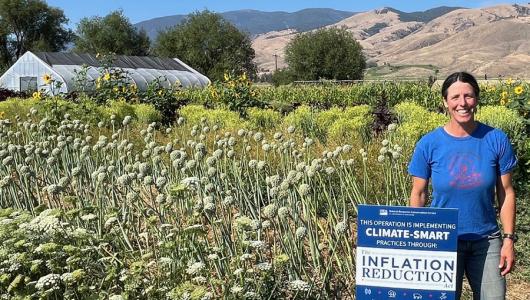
x=492, y=40
x=257, y=22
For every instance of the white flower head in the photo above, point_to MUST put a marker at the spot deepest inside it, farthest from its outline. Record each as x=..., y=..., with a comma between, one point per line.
x=264, y=266
x=238, y=271
x=49, y=282
x=236, y=289
x=341, y=227
x=88, y=217
x=301, y=232
x=304, y=189
x=299, y=285
x=195, y=268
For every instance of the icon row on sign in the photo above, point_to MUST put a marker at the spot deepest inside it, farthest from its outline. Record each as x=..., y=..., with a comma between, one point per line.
x=415, y=296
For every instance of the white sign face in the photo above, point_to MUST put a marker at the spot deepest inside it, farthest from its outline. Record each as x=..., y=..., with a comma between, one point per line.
x=406, y=269
x=406, y=253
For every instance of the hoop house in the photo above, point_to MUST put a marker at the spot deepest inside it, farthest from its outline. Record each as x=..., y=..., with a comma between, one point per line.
x=26, y=74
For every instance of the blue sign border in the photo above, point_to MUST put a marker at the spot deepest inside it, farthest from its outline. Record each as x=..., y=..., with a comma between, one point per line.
x=406, y=228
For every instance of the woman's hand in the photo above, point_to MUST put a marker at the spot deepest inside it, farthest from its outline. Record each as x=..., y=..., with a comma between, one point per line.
x=507, y=261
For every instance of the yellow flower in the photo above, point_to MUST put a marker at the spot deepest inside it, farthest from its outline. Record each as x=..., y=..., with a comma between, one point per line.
x=106, y=77
x=518, y=90
x=509, y=81
x=503, y=101
x=227, y=77
x=244, y=77
x=2, y=114
x=160, y=93
x=504, y=94
x=36, y=95
x=213, y=93
x=47, y=78
x=115, y=89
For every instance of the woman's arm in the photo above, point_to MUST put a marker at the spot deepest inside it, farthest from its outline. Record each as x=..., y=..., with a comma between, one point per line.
x=506, y=198
x=418, y=195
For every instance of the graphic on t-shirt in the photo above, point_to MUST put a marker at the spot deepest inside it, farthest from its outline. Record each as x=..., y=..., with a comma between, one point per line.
x=464, y=172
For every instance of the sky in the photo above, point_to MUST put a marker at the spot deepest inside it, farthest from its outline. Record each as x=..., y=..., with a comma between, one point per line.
x=138, y=11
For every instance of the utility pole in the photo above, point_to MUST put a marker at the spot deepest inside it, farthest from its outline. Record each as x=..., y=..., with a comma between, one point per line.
x=275, y=62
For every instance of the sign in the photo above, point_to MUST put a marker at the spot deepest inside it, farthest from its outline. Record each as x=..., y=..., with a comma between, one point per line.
x=406, y=253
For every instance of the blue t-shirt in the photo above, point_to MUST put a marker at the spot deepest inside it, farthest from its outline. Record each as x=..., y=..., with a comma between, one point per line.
x=464, y=171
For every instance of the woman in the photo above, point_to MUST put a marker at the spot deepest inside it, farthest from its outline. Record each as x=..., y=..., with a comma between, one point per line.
x=469, y=163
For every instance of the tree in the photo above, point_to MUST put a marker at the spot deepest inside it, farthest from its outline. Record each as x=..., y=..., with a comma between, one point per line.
x=283, y=77
x=113, y=33
x=209, y=44
x=325, y=54
x=30, y=25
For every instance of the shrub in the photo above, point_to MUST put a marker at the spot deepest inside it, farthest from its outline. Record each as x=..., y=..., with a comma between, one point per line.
x=146, y=113
x=193, y=114
x=7, y=93
x=283, y=77
x=357, y=111
x=120, y=109
x=346, y=129
x=326, y=118
x=332, y=120
x=415, y=121
x=16, y=106
x=261, y=119
x=303, y=118
x=409, y=111
x=503, y=118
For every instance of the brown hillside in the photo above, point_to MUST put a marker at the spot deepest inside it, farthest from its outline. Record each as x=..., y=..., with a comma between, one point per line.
x=492, y=40
x=500, y=48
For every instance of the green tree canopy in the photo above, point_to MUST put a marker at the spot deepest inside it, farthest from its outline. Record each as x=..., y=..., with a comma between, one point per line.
x=330, y=53
x=113, y=33
x=30, y=25
x=209, y=44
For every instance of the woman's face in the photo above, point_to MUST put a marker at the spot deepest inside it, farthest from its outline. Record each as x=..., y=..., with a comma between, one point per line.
x=461, y=102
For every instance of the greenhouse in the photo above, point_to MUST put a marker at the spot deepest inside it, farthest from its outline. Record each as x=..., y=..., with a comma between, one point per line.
x=27, y=73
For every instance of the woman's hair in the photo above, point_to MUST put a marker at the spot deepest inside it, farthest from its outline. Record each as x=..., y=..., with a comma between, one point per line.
x=462, y=77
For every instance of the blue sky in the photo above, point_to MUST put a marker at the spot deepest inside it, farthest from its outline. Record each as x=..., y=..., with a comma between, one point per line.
x=143, y=10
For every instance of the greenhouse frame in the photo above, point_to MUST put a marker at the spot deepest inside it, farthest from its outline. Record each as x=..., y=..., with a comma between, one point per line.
x=27, y=73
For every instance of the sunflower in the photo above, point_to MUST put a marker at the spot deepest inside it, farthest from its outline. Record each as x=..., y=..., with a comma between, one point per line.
x=518, y=90
x=36, y=95
x=509, y=81
x=47, y=78
x=503, y=101
x=106, y=77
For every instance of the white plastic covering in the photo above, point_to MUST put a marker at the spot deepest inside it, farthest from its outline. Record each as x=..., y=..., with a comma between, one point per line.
x=31, y=65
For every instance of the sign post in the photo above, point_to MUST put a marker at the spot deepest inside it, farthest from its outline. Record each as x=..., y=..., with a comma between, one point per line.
x=406, y=253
